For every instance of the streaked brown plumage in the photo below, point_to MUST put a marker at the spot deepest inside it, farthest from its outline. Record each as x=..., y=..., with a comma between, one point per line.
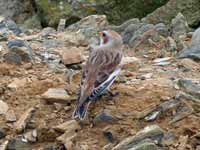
x=99, y=71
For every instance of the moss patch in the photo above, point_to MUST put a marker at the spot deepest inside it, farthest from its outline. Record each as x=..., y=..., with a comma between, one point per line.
x=122, y=10
x=117, y=11
x=50, y=12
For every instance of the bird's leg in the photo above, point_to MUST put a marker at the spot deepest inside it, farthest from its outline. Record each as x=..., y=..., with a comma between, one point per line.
x=112, y=93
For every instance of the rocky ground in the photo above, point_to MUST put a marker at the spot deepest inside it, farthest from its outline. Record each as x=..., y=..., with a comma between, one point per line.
x=159, y=93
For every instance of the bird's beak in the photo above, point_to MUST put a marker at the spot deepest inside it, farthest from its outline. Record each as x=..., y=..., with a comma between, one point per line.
x=100, y=34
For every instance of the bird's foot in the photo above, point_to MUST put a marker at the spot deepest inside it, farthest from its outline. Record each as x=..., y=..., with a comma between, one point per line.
x=112, y=93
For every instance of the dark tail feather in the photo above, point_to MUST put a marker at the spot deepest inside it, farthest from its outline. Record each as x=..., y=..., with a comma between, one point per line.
x=81, y=111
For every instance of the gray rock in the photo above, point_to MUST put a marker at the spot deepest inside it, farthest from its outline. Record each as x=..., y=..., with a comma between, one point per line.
x=52, y=43
x=193, y=51
x=179, y=26
x=10, y=25
x=18, y=10
x=151, y=133
x=12, y=58
x=47, y=31
x=196, y=39
x=103, y=116
x=190, y=52
x=145, y=146
x=58, y=95
x=143, y=34
x=189, y=8
x=154, y=112
x=16, y=43
x=17, y=144
x=169, y=136
x=89, y=27
x=19, y=54
x=162, y=29
x=190, y=86
x=130, y=31
x=145, y=28
x=125, y=25
x=21, y=48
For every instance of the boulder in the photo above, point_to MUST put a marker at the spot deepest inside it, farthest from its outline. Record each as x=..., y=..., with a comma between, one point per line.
x=143, y=34
x=18, y=10
x=193, y=51
x=89, y=28
x=19, y=50
x=9, y=25
x=151, y=133
x=72, y=56
x=32, y=22
x=189, y=8
x=190, y=86
x=179, y=26
x=162, y=29
x=47, y=32
x=129, y=31
x=196, y=38
x=117, y=11
x=124, y=25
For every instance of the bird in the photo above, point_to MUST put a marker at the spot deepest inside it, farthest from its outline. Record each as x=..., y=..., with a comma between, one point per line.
x=100, y=71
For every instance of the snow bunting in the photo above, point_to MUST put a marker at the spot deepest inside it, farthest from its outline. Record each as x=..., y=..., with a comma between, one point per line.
x=100, y=71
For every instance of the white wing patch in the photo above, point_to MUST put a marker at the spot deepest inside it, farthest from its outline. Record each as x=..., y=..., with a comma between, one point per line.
x=104, y=86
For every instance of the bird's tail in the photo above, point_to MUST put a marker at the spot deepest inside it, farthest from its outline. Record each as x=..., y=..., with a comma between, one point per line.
x=81, y=111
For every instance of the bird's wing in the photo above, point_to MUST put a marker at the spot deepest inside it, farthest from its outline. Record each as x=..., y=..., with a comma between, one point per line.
x=99, y=73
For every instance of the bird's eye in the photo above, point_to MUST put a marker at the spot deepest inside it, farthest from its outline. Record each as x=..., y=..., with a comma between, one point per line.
x=104, y=35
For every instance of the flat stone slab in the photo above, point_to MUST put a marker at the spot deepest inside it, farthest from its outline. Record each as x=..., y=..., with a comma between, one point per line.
x=56, y=95
x=3, y=107
x=20, y=125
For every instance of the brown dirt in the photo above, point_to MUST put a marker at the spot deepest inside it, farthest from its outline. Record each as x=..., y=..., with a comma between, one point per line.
x=133, y=98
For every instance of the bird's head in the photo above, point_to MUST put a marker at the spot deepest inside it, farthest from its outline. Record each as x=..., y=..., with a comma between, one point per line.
x=110, y=38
